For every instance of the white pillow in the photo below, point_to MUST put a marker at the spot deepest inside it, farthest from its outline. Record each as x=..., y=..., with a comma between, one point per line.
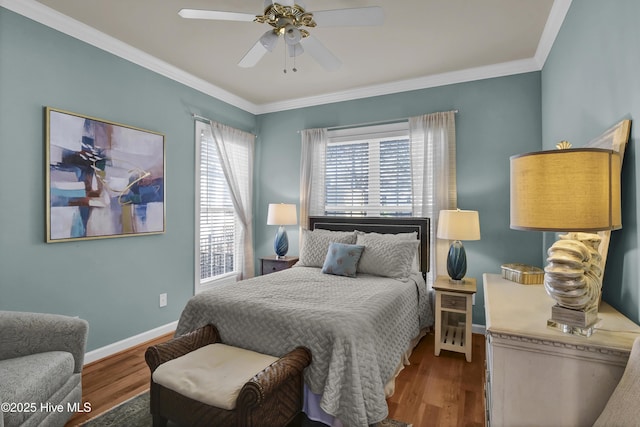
x=315, y=245
x=387, y=257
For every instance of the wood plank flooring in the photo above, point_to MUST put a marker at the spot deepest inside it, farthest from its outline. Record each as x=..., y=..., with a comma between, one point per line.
x=110, y=381
x=441, y=391
x=431, y=392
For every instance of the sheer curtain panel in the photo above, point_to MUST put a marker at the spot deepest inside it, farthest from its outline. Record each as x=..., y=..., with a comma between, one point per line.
x=236, y=151
x=312, y=170
x=433, y=168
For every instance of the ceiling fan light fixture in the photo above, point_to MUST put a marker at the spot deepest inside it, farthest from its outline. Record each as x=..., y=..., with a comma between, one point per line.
x=269, y=40
x=292, y=35
x=295, y=50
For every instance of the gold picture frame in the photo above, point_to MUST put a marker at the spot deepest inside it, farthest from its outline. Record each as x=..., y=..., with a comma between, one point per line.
x=103, y=179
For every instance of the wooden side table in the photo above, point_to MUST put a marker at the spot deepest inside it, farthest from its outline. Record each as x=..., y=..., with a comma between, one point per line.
x=271, y=264
x=454, y=298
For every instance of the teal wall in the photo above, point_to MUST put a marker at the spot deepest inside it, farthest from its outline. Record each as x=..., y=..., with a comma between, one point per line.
x=113, y=283
x=497, y=118
x=589, y=83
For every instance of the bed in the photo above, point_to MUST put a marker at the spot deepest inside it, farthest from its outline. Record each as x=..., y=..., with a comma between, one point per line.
x=358, y=329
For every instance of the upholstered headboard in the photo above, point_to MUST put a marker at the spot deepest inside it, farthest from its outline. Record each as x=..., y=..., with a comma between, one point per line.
x=383, y=225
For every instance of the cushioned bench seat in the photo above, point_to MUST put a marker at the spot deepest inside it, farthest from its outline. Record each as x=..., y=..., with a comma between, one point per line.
x=198, y=381
x=213, y=374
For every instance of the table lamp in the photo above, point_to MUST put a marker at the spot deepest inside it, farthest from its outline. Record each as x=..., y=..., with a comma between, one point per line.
x=575, y=191
x=281, y=214
x=458, y=225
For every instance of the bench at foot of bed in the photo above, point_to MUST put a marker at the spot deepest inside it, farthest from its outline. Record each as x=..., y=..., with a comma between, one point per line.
x=198, y=381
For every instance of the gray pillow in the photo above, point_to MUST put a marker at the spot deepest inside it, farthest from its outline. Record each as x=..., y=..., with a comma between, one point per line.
x=415, y=265
x=315, y=244
x=387, y=257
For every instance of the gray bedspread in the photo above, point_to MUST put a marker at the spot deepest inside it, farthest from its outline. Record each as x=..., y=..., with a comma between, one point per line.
x=357, y=330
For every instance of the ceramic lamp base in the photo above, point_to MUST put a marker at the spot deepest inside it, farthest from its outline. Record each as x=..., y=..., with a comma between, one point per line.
x=457, y=261
x=281, y=242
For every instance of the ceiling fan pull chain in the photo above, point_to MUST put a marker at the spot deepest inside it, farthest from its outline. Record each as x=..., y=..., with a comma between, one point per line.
x=284, y=70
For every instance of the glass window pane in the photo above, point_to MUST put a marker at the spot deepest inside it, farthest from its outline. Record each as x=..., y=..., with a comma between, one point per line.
x=368, y=178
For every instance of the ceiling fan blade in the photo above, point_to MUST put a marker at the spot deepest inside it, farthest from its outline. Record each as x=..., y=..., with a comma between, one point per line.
x=265, y=44
x=320, y=53
x=216, y=15
x=356, y=17
x=254, y=55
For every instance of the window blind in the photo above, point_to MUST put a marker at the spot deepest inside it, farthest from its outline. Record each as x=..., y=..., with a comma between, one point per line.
x=217, y=224
x=395, y=177
x=368, y=172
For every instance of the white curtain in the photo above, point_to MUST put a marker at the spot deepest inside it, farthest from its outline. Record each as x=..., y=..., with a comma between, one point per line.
x=433, y=164
x=236, y=151
x=312, y=165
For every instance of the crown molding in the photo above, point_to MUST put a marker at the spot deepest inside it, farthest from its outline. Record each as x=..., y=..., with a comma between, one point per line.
x=556, y=17
x=71, y=27
x=461, y=76
x=53, y=19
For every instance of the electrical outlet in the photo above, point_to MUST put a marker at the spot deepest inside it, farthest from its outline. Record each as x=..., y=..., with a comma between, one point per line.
x=473, y=299
x=163, y=300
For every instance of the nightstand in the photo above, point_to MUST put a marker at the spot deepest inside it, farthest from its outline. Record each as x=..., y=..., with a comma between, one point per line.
x=454, y=303
x=271, y=264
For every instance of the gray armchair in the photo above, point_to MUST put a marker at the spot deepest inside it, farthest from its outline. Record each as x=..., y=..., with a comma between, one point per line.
x=623, y=409
x=41, y=358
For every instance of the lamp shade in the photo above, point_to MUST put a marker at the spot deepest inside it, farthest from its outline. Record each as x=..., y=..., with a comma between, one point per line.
x=282, y=214
x=566, y=190
x=458, y=225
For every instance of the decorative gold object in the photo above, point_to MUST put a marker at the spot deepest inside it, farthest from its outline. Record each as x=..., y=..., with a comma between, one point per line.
x=523, y=274
x=563, y=145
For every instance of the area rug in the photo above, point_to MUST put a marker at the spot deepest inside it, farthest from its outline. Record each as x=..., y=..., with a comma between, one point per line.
x=135, y=413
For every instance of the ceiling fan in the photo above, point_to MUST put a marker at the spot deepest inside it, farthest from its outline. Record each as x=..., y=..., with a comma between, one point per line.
x=290, y=20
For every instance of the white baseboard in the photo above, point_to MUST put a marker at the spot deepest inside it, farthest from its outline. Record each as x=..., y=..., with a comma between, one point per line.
x=478, y=329
x=126, y=343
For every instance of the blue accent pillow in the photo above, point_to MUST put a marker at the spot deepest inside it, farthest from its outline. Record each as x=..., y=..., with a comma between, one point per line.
x=342, y=259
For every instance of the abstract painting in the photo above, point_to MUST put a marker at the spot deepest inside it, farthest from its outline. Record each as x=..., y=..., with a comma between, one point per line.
x=103, y=179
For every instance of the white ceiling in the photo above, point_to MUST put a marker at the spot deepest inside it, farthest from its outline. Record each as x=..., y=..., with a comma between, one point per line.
x=422, y=43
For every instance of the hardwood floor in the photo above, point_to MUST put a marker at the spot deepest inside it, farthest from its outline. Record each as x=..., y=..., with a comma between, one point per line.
x=110, y=381
x=443, y=390
x=431, y=391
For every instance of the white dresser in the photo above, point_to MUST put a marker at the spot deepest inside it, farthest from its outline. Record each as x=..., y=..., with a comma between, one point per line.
x=538, y=376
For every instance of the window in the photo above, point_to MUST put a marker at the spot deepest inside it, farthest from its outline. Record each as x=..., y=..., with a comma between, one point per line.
x=406, y=168
x=219, y=240
x=368, y=171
